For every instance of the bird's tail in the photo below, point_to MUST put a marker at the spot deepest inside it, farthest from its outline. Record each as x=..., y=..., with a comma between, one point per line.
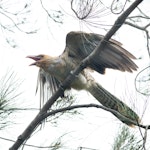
x=110, y=101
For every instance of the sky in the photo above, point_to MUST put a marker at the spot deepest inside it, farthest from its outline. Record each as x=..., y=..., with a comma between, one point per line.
x=94, y=128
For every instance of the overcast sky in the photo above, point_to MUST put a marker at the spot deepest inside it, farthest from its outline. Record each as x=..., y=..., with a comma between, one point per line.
x=95, y=128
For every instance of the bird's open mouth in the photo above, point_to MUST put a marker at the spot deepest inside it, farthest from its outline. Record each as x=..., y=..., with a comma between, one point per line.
x=36, y=58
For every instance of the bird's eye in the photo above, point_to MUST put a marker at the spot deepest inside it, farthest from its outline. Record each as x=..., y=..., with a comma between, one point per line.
x=40, y=56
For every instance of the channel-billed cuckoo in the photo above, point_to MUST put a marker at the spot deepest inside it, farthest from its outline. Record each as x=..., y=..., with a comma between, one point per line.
x=54, y=70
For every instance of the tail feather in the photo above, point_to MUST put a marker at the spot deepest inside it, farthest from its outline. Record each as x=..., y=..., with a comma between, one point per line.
x=110, y=101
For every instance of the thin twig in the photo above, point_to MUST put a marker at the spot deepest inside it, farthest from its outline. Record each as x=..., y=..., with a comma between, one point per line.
x=124, y=119
x=30, y=32
x=49, y=15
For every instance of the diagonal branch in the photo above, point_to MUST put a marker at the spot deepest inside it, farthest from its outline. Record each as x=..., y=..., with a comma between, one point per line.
x=35, y=123
x=118, y=23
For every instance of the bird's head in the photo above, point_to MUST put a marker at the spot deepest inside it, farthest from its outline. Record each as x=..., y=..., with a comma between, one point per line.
x=40, y=60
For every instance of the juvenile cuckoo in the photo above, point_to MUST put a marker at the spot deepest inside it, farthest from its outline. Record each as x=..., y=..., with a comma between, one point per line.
x=54, y=70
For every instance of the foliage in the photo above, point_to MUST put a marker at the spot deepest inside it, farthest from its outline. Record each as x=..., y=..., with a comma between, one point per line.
x=125, y=140
x=8, y=94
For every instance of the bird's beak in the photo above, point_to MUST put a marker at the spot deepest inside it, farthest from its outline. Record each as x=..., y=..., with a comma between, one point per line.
x=36, y=58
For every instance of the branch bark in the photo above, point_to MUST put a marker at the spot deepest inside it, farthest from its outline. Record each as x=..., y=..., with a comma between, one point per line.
x=35, y=123
x=124, y=119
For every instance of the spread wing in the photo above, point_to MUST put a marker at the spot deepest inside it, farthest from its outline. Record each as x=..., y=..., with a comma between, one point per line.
x=47, y=85
x=79, y=45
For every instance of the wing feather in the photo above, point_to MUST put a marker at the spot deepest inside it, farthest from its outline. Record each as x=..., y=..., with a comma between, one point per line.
x=47, y=85
x=79, y=45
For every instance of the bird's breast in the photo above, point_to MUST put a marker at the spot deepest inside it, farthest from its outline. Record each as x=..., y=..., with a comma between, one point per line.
x=60, y=70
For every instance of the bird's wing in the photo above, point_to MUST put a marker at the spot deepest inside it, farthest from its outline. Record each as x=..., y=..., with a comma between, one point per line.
x=47, y=85
x=79, y=45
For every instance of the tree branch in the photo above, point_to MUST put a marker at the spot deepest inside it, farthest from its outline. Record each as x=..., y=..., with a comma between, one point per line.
x=49, y=15
x=16, y=25
x=144, y=28
x=118, y=23
x=35, y=123
x=116, y=113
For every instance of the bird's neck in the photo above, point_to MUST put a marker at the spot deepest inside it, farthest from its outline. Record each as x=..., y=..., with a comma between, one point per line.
x=56, y=67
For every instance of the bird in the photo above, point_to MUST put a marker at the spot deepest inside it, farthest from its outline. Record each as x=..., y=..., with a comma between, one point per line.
x=54, y=70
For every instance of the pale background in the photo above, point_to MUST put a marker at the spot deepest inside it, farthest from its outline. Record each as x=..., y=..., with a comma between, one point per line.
x=95, y=128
